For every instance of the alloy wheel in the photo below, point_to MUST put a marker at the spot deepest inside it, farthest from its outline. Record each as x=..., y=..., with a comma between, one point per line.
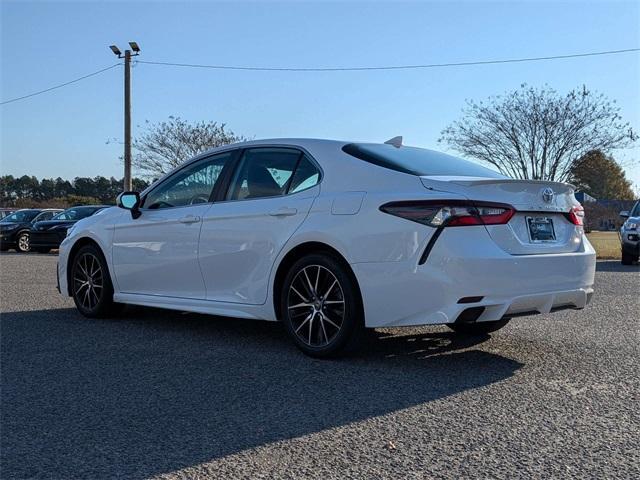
x=23, y=242
x=316, y=305
x=88, y=281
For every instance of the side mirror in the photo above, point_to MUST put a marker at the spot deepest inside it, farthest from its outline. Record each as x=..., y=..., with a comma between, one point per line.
x=624, y=214
x=130, y=201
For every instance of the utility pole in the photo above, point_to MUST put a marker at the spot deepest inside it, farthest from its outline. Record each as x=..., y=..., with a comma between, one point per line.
x=127, y=109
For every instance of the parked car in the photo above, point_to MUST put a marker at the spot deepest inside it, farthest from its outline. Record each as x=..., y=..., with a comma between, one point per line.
x=48, y=234
x=630, y=235
x=5, y=212
x=14, y=229
x=330, y=237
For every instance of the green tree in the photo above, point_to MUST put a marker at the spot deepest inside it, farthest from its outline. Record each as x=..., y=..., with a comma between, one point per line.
x=600, y=176
x=537, y=133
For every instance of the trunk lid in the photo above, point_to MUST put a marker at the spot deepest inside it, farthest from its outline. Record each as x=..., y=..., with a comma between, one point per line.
x=535, y=202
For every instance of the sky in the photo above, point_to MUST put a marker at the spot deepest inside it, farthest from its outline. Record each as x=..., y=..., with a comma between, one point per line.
x=77, y=130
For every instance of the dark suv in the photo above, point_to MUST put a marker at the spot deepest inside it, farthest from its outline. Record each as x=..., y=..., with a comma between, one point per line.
x=14, y=229
x=49, y=234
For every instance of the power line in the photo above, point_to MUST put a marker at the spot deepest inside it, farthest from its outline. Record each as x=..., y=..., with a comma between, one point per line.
x=59, y=86
x=392, y=67
x=334, y=69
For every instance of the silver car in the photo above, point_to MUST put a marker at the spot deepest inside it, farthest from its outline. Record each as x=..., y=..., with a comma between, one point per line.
x=630, y=235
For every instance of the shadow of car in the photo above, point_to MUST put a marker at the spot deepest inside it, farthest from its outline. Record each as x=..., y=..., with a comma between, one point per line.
x=154, y=392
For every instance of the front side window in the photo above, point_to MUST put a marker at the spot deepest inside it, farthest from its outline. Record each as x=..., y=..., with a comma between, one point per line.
x=636, y=210
x=190, y=186
x=263, y=172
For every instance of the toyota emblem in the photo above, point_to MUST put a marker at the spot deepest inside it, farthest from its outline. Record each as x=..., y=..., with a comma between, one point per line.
x=547, y=194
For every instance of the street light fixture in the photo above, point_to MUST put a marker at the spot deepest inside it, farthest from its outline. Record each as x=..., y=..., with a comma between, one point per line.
x=127, y=108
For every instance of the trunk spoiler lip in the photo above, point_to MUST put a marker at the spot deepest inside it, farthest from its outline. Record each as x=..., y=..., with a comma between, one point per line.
x=468, y=181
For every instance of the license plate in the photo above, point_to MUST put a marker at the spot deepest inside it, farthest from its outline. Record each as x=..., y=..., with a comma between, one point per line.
x=541, y=229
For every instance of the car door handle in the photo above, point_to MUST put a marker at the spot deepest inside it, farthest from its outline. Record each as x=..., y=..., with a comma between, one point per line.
x=283, y=212
x=189, y=219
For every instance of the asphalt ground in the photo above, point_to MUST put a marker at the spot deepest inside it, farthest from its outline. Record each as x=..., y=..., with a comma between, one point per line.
x=162, y=394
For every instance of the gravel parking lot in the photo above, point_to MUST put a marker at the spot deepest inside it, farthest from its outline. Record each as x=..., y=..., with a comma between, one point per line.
x=169, y=395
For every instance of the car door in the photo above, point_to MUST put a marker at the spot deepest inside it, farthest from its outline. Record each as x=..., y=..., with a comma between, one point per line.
x=157, y=253
x=268, y=197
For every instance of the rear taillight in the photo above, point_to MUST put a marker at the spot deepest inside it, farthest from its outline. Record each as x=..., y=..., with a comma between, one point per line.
x=450, y=213
x=576, y=215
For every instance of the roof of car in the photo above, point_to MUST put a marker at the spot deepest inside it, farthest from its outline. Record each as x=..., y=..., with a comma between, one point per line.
x=301, y=142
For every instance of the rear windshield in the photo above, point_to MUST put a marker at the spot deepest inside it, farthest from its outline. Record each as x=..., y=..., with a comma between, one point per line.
x=417, y=161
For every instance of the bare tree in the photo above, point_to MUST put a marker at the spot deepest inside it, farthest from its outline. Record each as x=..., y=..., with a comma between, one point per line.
x=165, y=145
x=537, y=133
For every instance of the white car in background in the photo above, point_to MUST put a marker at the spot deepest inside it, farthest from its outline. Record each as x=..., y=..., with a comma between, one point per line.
x=330, y=237
x=630, y=235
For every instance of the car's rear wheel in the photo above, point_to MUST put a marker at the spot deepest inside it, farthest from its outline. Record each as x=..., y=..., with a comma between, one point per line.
x=479, y=328
x=22, y=242
x=321, y=306
x=90, y=283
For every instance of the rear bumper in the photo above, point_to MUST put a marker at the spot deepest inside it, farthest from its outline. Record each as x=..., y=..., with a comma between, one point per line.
x=465, y=263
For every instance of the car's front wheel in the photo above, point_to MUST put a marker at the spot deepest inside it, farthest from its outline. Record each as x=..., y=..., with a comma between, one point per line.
x=479, y=328
x=22, y=243
x=91, y=285
x=321, y=306
x=628, y=259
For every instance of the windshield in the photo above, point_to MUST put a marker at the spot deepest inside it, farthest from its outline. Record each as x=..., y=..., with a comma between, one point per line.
x=76, y=213
x=417, y=161
x=21, y=216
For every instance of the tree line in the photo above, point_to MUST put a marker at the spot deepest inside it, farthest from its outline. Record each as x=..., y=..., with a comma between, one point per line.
x=27, y=191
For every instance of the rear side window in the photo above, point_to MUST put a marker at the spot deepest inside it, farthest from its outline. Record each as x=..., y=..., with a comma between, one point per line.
x=44, y=216
x=417, y=161
x=272, y=172
x=306, y=176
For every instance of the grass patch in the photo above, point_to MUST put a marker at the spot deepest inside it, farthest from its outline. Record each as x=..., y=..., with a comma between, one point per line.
x=607, y=244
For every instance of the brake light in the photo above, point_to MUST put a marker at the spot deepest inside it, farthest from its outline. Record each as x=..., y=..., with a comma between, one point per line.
x=576, y=215
x=451, y=213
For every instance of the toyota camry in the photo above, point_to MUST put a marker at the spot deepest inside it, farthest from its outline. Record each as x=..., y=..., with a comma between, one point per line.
x=332, y=237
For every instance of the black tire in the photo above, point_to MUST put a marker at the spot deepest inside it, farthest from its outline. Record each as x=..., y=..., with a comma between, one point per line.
x=321, y=307
x=42, y=250
x=628, y=259
x=22, y=243
x=91, y=285
x=479, y=328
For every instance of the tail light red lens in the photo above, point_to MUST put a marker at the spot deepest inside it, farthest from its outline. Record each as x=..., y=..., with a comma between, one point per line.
x=451, y=213
x=576, y=215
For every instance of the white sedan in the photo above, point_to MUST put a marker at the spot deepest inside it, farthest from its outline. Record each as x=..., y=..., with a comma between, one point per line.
x=330, y=237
